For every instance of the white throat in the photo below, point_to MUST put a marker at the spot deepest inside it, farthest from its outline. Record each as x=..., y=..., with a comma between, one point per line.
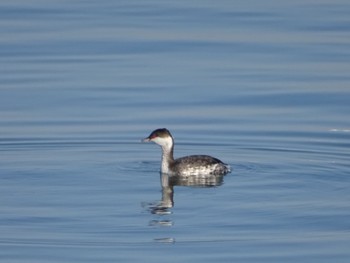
x=167, y=152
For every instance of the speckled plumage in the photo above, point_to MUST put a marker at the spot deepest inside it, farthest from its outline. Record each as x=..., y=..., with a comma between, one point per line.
x=199, y=165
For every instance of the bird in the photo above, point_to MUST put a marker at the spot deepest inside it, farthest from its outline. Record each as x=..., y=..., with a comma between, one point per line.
x=193, y=165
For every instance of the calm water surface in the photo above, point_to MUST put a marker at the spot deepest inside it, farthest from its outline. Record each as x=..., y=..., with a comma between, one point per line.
x=264, y=86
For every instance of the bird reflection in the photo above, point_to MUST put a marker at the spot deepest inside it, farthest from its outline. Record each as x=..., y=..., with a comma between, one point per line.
x=164, y=206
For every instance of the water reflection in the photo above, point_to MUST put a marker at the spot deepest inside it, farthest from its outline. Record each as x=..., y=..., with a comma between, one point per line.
x=163, y=207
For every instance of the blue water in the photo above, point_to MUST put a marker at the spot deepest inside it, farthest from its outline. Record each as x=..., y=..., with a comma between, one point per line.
x=263, y=86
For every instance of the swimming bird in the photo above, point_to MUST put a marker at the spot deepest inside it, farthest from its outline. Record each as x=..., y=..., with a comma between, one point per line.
x=198, y=165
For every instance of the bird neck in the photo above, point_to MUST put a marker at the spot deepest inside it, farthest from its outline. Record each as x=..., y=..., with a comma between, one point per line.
x=167, y=157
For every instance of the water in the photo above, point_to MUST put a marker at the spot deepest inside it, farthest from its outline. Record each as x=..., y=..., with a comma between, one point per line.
x=264, y=86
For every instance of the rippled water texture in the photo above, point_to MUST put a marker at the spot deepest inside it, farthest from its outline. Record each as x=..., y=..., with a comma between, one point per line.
x=261, y=85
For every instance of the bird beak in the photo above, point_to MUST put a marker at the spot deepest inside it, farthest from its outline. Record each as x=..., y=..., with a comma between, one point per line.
x=146, y=139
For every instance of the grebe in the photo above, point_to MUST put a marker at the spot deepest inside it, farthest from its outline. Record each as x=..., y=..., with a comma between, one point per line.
x=202, y=165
